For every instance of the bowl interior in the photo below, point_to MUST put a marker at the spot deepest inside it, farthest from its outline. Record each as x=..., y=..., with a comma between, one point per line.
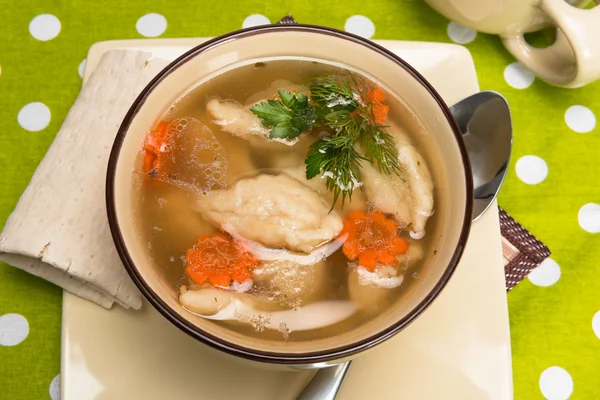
x=444, y=153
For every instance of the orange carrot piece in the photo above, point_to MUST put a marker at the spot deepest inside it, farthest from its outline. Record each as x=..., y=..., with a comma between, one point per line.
x=380, y=113
x=400, y=245
x=372, y=239
x=219, y=260
x=351, y=249
x=153, y=145
x=375, y=95
x=356, y=215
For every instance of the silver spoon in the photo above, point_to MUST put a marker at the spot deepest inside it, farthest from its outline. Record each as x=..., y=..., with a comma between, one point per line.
x=485, y=122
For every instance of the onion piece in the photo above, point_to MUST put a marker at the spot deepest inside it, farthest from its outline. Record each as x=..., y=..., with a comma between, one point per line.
x=239, y=287
x=264, y=253
x=312, y=316
x=385, y=278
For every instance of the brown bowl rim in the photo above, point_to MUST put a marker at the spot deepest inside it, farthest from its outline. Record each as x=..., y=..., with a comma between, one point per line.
x=245, y=352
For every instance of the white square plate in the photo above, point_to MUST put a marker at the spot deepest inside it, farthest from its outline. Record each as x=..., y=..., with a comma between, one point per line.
x=459, y=348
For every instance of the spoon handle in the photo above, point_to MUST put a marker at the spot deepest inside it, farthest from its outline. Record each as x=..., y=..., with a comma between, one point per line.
x=326, y=383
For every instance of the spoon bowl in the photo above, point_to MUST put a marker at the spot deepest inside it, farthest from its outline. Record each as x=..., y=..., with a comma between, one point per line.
x=485, y=122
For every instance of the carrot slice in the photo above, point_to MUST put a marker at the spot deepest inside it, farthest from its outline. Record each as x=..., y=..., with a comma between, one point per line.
x=380, y=113
x=154, y=144
x=400, y=245
x=368, y=259
x=372, y=239
x=219, y=260
x=375, y=95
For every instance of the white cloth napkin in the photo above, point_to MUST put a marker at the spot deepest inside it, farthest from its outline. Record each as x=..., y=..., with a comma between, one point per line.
x=59, y=228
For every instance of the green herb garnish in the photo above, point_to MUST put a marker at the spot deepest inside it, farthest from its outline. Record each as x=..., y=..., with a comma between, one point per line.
x=343, y=106
x=287, y=117
x=336, y=158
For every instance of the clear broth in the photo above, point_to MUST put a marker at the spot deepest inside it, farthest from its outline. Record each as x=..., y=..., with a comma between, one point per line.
x=168, y=226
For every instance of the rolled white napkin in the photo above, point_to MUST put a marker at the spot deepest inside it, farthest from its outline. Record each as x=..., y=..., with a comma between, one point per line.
x=59, y=229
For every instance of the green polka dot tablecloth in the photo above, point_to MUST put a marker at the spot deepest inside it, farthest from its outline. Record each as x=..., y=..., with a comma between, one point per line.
x=553, y=186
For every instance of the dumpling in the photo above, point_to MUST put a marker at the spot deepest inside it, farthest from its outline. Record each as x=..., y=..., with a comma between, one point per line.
x=288, y=283
x=275, y=210
x=319, y=184
x=235, y=119
x=388, y=194
x=370, y=290
x=272, y=90
x=409, y=196
x=418, y=176
x=239, y=121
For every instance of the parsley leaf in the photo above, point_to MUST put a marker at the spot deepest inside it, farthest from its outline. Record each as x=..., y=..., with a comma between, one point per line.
x=287, y=117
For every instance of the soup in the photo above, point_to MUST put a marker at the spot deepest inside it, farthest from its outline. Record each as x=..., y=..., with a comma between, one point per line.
x=285, y=199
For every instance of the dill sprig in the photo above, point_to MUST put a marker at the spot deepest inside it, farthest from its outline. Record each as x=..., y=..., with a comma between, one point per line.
x=335, y=158
x=341, y=104
x=338, y=104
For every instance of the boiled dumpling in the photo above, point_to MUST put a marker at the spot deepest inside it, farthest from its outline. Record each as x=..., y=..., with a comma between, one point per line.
x=418, y=176
x=319, y=184
x=288, y=283
x=275, y=210
x=370, y=290
x=409, y=196
x=388, y=194
x=235, y=119
x=271, y=91
x=239, y=121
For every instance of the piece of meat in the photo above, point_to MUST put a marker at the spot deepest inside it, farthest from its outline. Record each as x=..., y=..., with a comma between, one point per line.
x=275, y=210
x=408, y=196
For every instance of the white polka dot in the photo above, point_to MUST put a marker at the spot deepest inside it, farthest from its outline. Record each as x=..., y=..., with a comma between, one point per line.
x=360, y=25
x=255, y=20
x=54, y=389
x=460, y=34
x=34, y=116
x=81, y=68
x=596, y=324
x=589, y=218
x=556, y=384
x=531, y=169
x=581, y=119
x=545, y=274
x=151, y=25
x=518, y=76
x=44, y=27
x=14, y=328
